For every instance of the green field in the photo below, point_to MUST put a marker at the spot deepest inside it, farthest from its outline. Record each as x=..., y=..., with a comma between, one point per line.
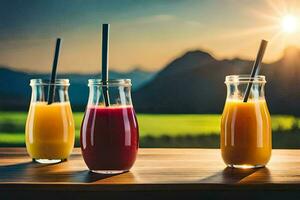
x=155, y=129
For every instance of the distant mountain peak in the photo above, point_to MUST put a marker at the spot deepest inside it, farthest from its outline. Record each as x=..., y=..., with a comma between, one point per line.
x=189, y=60
x=291, y=50
x=138, y=69
x=291, y=54
x=197, y=54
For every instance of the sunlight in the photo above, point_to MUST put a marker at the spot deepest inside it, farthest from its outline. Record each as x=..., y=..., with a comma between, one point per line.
x=289, y=24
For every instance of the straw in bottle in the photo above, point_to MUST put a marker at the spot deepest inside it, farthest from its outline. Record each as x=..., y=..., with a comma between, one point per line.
x=105, y=46
x=256, y=67
x=51, y=91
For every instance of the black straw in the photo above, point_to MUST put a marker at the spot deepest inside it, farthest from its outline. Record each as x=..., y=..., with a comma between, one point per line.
x=105, y=46
x=256, y=67
x=51, y=91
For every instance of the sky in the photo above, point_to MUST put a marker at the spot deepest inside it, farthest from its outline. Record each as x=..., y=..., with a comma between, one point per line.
x=143, y=34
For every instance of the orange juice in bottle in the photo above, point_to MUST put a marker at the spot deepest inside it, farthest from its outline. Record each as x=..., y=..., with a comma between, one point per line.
x=50, y=131
x=245, y=126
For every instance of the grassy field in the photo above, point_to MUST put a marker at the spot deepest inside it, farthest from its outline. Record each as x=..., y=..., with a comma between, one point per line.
x=155, y=130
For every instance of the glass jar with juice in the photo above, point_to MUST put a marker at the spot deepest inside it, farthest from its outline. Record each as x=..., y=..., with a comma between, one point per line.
x=246, y=138
x=50, y=131
x=109, y=131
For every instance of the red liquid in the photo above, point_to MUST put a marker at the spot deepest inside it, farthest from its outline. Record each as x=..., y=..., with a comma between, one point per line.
x=109, y=138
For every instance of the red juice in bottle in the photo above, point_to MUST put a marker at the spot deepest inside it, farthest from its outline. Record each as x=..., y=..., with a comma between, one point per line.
x=109, y=138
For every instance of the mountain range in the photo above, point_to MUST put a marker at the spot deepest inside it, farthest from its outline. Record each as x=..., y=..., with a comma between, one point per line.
x=194, y=83
x=15, y=91
x=191, y=83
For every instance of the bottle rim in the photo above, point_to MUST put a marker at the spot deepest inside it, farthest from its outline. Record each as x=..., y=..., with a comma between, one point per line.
x=43, y=82
x=245, y=78
x=110, y=82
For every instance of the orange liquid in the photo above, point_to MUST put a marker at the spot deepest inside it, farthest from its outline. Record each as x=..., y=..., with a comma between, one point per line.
x=50, y=131
x=246, y=133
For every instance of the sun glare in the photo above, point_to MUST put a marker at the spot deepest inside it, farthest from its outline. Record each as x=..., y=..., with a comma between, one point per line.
x=289, y=24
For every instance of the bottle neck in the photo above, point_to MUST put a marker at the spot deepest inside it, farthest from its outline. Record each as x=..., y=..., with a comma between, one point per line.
x=40, y=93
x=118, y=95
x=236, y=91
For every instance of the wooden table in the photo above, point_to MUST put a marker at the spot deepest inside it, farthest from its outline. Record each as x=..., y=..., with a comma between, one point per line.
x=167, y=173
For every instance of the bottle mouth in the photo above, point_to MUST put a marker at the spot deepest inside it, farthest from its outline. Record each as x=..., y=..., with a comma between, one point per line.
x=245, y=78
x=110, y=82
x=58, y=82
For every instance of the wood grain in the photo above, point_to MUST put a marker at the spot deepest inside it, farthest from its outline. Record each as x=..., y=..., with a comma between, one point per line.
x=155, y=170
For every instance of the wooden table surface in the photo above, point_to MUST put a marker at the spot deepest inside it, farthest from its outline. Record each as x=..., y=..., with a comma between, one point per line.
x=161, y=172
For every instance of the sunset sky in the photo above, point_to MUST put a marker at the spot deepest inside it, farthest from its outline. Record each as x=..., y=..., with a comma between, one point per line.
x=144, y=34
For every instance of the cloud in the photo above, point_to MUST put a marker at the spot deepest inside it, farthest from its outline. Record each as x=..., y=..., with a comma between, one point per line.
x=163, y=17
x=156, y=18
x=166, y=18
x=192, y=23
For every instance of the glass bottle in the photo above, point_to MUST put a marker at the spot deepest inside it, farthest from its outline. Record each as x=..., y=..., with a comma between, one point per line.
x=246, y=126
x=50, y=130
x=109, y=131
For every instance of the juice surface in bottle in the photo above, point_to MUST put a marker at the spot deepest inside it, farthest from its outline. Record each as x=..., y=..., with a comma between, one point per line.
x=50, y=131
x=246, y=133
